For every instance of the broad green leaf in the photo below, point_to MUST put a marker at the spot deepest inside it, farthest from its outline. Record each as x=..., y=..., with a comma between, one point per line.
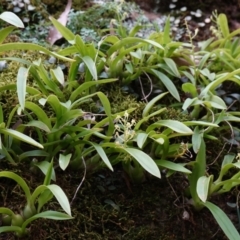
x=47, y=215
x=172, y=124
x=6, y=211
x=190, y=88
x=44, y=77
x=20, y=136
x=20, y=181
x=21, y=85
x=41, y=115
x=223, y=24
x=150, y=104
x=145, y=119
x=66, y=33
x=198, y=171
x=79, y=45
x=57, y=192
x=5, y=32
x=206, y=72
x=231, y=118
x=64, y=160
x=217, y=102
x=49, y=173
x=33, y=153
x=236, y=164
x=129, y=41
x=31, y=46
x=167, y=82
x=189, y=102
x=137, y=54
x=173, y=166
x=223, y=221
x=91, y=66
x=166, y=32
x=196, y=139
x=224, y=171
x=229, y=158
x=10, y=229
x=80, y=90
x=163, y=143
x=55, y=104
x=220, y=79
x=68, y=51
x=44, y=166
x=172, y=65
x=200, y=123
x=160, y=140
x=43, y=198
x=190, y=77
x=203, y=186
x=12, y=18
x=134, y=30
x=57, y=73
x=38, y=124
x=102, y=154
x=61, y=197
x=141, y=139
x=144, y=160
x=30, y=90
x=129, y=67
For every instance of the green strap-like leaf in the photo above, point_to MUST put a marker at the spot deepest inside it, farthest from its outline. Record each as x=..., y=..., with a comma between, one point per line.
x=6, y=211
x=223, y=221
x=150, y=104
x=21, y=85
x=57, y=192
x=167, y=83
x=12, y=18
x=176, y=126
x=21, y=136
x=144, y=160
x=5, y=32
x=66, y=33
x=173, y=166
x=91, y=66
x=64, y=160
x=47, y=215
x=10, y=229
x=20, y=181
x=203, y=185
x=61, y=197
x=33, y=47
x=44, y=166
x=102, y=154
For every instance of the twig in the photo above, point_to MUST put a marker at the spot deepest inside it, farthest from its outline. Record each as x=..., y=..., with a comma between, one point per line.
x=84, y=176
x=231, y=105
x=151, y=87
x=219, y=154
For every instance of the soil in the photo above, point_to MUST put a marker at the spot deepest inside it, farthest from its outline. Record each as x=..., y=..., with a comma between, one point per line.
x=154, y=9
x=110, y=207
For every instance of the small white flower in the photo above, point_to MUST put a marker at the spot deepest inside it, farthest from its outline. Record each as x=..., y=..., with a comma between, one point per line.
x=126, y=114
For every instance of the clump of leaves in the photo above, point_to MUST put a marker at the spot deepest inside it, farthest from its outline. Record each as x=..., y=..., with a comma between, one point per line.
x=18, y=222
